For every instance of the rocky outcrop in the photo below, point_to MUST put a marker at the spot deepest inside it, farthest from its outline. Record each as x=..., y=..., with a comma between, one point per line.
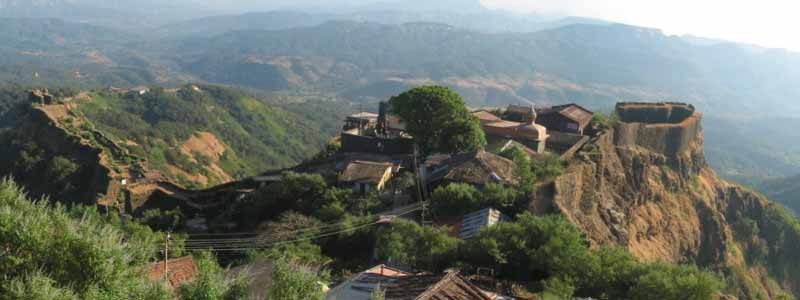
x=39, y=127
x=649, y=189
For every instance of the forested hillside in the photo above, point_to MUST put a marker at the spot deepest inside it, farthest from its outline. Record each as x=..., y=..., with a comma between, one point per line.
x=252, y=135
x=195, y=136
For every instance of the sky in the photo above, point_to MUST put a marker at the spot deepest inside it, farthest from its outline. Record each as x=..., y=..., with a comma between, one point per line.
x=769, y=23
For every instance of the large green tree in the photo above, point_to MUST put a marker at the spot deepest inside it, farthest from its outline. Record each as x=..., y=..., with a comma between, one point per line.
x=438, y=120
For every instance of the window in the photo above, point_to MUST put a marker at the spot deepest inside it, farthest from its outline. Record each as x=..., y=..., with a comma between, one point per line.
x=573, y=126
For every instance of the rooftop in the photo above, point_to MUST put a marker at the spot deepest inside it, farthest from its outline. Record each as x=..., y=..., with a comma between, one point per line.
x=401, y=285
x=485, y=116
x=572, y=111
x=181, y=270
x=364, y=116
x=365, y=171
x=478, y=168
x=504, y=124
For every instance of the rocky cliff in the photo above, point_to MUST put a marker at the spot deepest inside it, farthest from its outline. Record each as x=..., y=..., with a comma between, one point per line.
x=37, y=140
x=646, y=187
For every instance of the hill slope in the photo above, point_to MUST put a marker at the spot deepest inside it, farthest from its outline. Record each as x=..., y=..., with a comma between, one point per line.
x=785, y=190
x=195, y=136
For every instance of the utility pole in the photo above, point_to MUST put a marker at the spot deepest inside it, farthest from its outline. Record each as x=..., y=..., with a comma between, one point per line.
x=420, y=184
x=166, y=258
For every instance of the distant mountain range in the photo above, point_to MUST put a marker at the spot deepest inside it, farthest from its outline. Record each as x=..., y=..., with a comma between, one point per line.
x=368, y=55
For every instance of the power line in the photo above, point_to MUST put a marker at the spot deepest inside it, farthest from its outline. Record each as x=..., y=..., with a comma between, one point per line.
x=388, y=212
x=263, y=243
x=267, y=246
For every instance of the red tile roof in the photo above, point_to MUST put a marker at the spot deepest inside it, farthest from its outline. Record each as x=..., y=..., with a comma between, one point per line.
x=181, y=270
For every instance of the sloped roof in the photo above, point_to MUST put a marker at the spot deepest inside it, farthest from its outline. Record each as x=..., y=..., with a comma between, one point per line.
x=485, y=116
x=365, y=171
x=450, y=286
x=479, y=167
x=571, y=111
x=362, y=285
x=181, y=270
x=401, y=285
x=503, y=124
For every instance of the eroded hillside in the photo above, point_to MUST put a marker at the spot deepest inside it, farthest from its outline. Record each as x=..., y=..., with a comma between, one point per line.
x=125, y=148
x=646, y=186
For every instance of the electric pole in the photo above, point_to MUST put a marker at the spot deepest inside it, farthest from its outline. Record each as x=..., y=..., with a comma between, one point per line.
x=166, y=258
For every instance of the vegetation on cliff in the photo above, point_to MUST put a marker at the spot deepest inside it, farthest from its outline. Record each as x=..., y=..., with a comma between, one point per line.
x=256, y=134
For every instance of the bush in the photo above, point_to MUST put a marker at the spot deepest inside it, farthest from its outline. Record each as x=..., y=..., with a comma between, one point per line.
x=53, y=253
x=169, y=220
x=457, y=199
x=410, y=244
x=211, y=283
x=61, y=168
x=664, y=282
x=551, y=166
x=291, y=282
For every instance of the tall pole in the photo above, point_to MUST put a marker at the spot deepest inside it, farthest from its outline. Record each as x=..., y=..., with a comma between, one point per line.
x=166, y=258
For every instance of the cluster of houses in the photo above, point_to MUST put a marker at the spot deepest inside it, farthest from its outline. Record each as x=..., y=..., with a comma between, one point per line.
x=376, y=147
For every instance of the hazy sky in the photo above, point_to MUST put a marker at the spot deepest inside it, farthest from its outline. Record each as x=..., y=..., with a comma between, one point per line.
x=770, y=23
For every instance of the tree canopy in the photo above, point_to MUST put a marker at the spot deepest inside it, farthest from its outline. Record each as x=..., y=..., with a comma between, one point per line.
x=438, y=120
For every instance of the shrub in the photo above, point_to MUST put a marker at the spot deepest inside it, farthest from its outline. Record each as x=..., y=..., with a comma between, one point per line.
x=55, y=253
x=413, y=245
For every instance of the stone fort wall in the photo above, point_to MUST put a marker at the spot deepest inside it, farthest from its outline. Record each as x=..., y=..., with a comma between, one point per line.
x=666, y=128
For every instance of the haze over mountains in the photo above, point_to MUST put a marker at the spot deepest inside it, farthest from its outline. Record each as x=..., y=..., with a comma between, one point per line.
x=366, y=51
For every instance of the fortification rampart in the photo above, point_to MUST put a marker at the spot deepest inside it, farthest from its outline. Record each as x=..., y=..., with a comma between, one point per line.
x=654, y=113
x=666, y=128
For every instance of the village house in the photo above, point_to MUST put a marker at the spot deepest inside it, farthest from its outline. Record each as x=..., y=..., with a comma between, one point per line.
x=570, y=118
x=467, y=226
x=380, y=134
x=518, y=123
x=365, y=177
x=360, y=122
x=478, y=168
x=400, y=285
